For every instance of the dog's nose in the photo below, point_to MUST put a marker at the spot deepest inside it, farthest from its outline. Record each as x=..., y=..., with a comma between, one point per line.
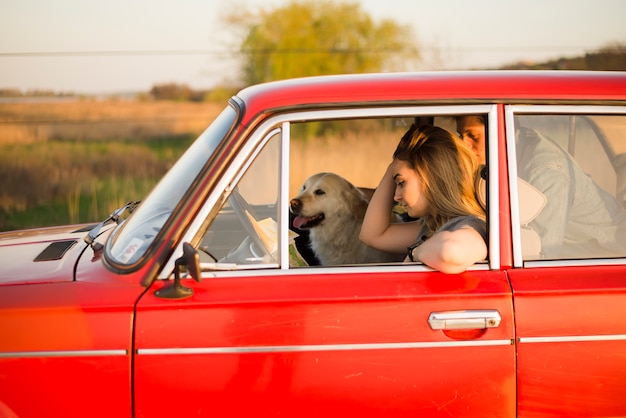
x=295, y=205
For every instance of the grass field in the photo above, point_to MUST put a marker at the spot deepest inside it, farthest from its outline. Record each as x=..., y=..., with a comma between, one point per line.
x=76, y=161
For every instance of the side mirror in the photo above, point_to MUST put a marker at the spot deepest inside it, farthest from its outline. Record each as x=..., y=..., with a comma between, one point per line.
x=190, y=260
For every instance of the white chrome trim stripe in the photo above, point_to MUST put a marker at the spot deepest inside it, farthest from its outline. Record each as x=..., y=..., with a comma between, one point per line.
x=320, y=347
x=283, y=197
x=493, y=212
x=63, y=353
x=573, y=338
x=565, y=109
x=272, y=270
x=509, y=120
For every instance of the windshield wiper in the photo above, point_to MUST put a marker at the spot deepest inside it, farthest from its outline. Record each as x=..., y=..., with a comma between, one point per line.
x=113, y=217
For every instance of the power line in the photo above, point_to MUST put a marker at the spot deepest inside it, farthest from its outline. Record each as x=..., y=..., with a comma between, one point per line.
x=107, y=121
x=112, y=53
x=204, y=52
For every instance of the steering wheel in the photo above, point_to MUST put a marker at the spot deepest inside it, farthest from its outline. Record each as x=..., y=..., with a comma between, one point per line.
x=244, y=212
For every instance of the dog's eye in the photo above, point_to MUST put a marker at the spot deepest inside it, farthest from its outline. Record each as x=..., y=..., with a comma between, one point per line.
x=319, y=192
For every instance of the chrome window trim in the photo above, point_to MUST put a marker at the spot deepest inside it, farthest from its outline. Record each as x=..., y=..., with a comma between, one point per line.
x=509, y=114
x=567, y=109
x=282, y=121
x=265, y=271
x=380, y=111
x=575, y=262
x=493, y=207
x=283, y=197
x=320, y=347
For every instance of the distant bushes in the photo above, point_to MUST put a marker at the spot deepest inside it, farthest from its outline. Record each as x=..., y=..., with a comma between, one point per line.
x=176, y=92
x=609, y=58
x=13, y=93
x=184, y=93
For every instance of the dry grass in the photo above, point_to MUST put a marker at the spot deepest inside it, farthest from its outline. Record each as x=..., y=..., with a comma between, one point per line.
x=362, y=158
x=101, y=120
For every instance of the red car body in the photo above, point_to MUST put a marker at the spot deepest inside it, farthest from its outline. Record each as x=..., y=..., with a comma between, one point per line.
x=84, y=331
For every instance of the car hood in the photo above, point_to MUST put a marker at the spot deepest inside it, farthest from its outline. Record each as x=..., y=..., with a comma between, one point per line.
x=41, y=255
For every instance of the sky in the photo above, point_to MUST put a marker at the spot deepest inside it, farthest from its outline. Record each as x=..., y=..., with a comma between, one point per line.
x=115, y=46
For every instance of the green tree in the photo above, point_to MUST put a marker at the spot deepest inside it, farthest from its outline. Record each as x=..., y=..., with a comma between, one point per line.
x=305, y=38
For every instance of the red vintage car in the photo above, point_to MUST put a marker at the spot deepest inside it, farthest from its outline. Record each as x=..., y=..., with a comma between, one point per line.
x=206, y=301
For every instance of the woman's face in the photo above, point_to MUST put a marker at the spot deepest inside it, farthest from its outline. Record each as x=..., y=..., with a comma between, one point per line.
x=409, y=191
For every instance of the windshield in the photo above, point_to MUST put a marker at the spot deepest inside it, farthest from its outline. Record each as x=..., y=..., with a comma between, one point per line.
x=133, y=238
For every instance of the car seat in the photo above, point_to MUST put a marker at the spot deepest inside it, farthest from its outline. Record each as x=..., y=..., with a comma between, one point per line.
x=531, y=203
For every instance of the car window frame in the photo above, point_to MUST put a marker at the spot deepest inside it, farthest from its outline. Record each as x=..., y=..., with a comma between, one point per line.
x=510, y=111
x=281, y=121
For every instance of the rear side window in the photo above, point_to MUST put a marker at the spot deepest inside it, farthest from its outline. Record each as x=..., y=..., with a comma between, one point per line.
x=572, y=171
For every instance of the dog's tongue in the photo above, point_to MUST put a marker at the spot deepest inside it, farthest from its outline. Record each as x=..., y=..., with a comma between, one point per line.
x=298, y=221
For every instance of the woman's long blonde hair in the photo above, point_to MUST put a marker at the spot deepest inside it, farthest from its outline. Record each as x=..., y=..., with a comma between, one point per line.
x=447, y=170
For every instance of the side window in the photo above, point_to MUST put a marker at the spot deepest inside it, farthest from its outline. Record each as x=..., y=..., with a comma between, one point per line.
x=333, y=169
x=245, y=232
x=335, y=165
x=571, y=192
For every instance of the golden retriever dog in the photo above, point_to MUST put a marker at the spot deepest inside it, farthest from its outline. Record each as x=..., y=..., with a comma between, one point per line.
x=332, y=209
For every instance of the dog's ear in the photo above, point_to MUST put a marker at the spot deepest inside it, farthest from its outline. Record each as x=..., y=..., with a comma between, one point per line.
x=357, y=201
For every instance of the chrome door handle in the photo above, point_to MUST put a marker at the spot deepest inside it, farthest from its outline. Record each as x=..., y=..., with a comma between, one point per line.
x=471, y=319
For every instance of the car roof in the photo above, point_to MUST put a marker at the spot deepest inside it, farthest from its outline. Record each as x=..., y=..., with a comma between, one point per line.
x=445, y=86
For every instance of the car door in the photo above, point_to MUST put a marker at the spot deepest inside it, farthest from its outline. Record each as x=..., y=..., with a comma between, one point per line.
x=260, y=336
x=569, y=299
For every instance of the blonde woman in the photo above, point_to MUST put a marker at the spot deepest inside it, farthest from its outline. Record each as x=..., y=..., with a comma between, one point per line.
x=432, y=176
